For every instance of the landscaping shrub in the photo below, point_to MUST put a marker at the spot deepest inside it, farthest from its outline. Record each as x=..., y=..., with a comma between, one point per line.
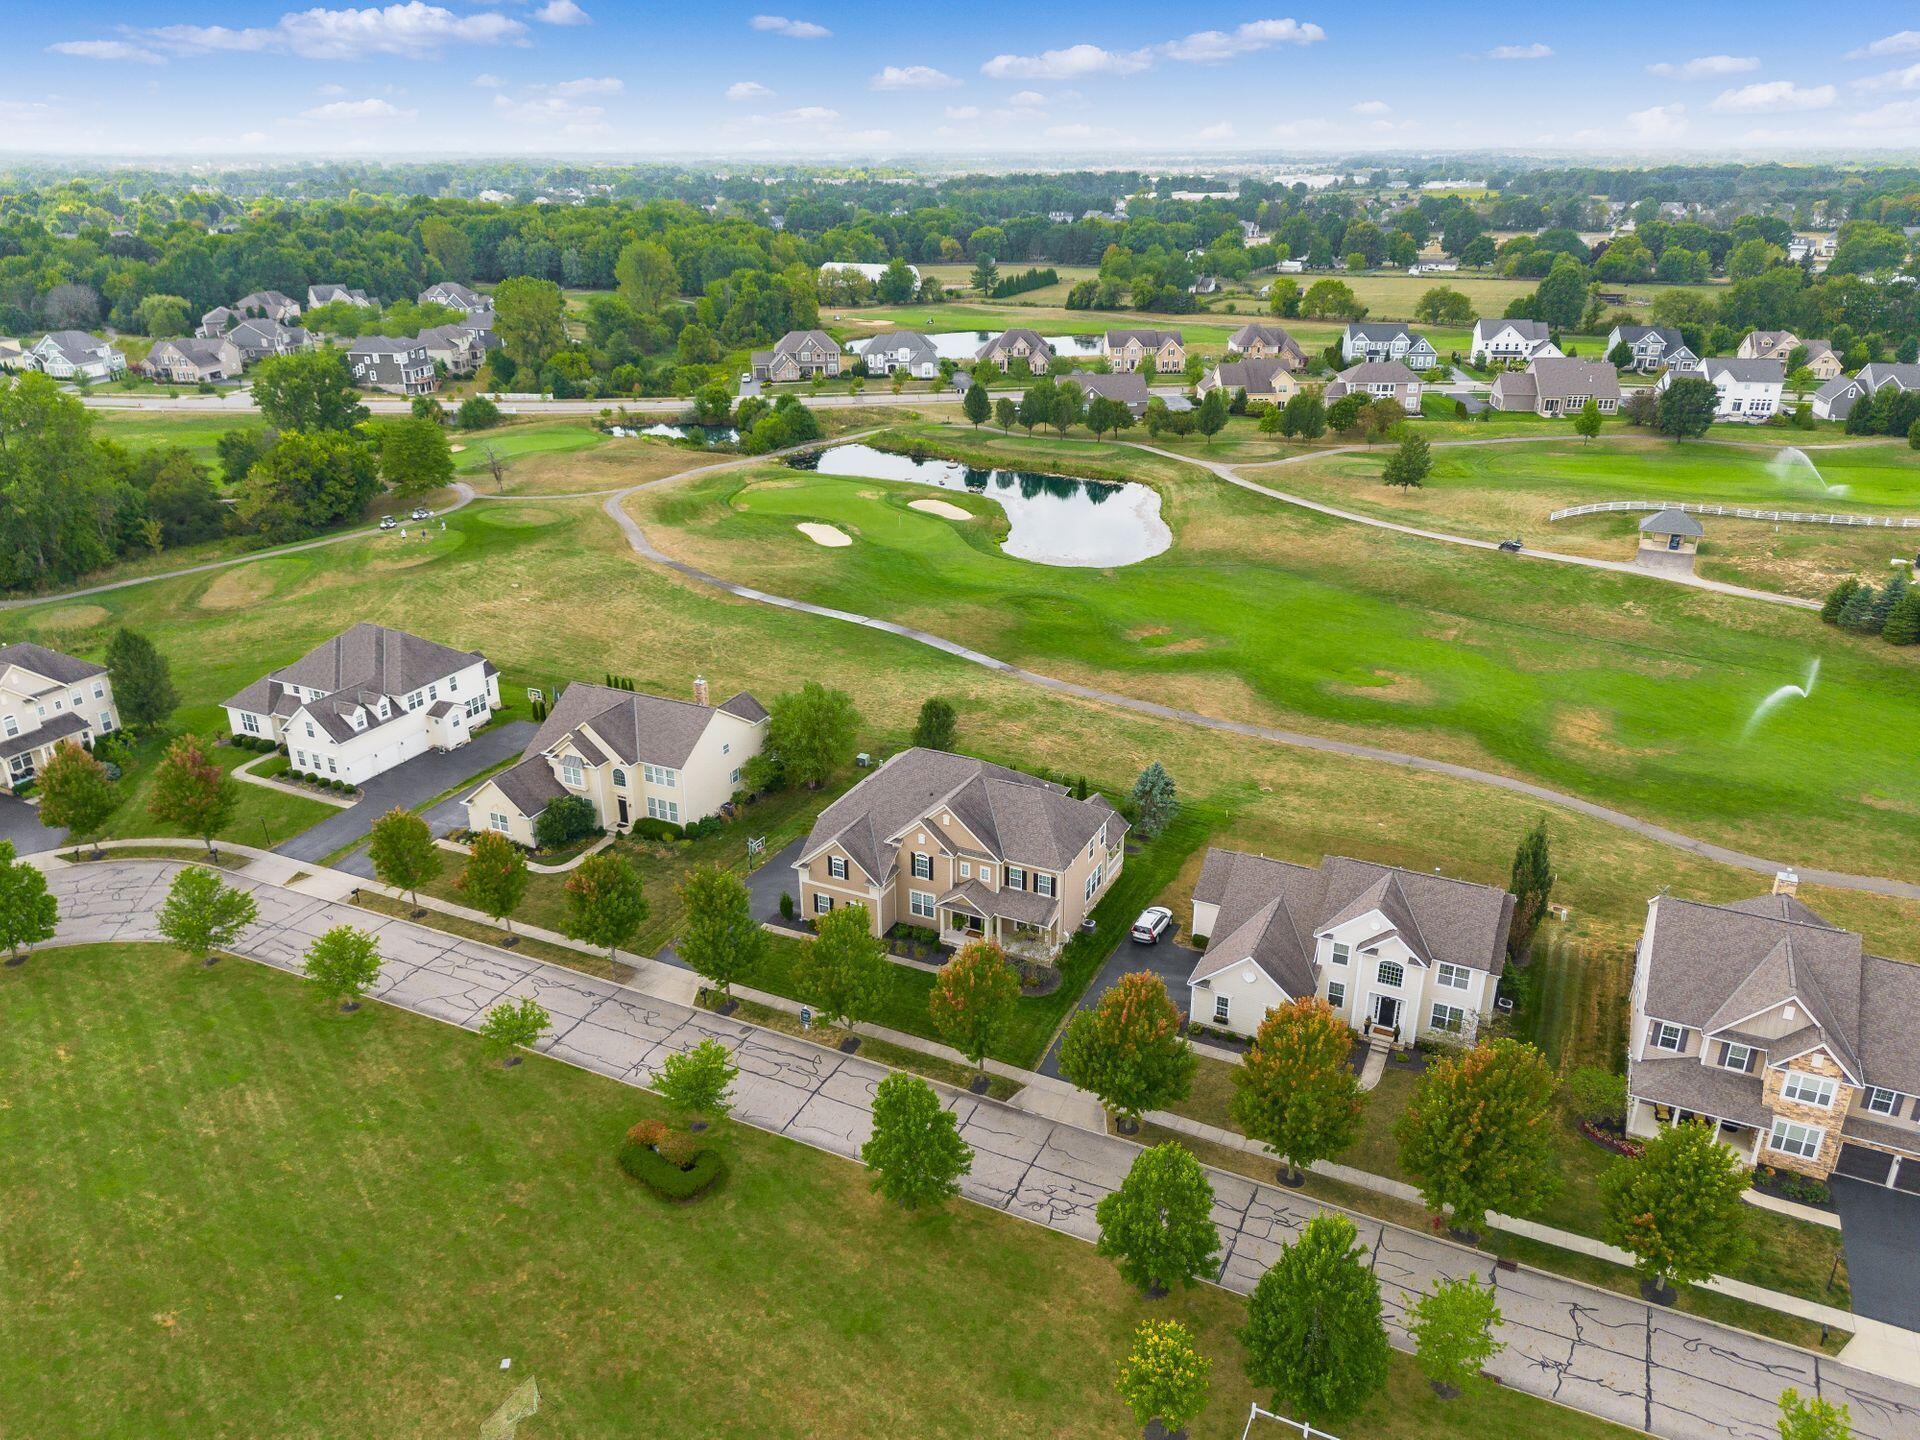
x=649, y=828
x=665, y=1178
x=786, y=906
x=1597, y=1095
x=564, y=821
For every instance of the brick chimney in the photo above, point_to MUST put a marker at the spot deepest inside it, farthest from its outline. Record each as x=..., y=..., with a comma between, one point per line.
x=700, y=690
x=1786, y=882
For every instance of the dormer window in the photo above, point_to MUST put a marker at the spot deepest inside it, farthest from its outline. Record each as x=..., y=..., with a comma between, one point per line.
x=1668, y=1036
x=1737, y=1057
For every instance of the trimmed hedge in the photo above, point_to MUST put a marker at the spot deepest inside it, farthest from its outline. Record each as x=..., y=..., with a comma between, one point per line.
x=666, y=1179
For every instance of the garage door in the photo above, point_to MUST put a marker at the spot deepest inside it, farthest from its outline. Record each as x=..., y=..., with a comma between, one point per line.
x=1864, y=1164
x=1909, y=1177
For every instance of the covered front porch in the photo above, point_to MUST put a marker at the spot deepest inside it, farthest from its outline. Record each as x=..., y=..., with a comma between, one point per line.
x=1646, y=1117
x=1019, y=922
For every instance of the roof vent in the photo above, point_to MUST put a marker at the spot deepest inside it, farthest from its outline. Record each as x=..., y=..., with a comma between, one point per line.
x=1787, y=1014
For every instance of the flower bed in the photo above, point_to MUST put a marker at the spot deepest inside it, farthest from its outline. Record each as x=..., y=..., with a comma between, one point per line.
x=1611, y=1140
x=1787, y=1185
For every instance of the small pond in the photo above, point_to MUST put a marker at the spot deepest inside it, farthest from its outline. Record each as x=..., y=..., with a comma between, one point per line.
x=699, y=434
x=1055, y=519
x=963, y=345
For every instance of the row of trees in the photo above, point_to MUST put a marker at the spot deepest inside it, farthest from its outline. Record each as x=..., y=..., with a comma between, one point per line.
x=1891, y=611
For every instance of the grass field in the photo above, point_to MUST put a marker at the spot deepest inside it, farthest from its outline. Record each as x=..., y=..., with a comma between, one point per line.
x=1622, y=688
x=235, y=1212
x=145, y=429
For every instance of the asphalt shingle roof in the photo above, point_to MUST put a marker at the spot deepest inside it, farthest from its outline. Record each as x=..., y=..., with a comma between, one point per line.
x=50, y=663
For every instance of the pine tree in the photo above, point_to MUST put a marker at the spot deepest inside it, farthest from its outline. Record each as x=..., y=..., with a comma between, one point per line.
x=1531, y=884
x=1857, y=614
x=1903, y=621
x=1154, y=799
x=1836, y=600
x=1883, y=603
x=1159, y=1223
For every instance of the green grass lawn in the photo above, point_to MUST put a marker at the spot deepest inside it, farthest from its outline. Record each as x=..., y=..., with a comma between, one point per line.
x=1787, y=1255
x=234, y=1211
x=262, y=816
x=1620, y=688
x=147, y=429
x=521, y=440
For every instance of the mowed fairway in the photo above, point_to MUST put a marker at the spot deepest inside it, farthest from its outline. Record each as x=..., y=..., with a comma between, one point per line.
x=233, y=1212
x=1625, y=689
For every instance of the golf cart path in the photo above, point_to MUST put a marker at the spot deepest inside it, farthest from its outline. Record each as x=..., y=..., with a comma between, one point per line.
x=1759, y=864
x=1673, y=1374
x=1232, y=476
x=461, y=488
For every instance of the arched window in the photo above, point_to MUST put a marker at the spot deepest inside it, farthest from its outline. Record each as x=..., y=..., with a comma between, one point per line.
x=620, y=778
x=1391, y=973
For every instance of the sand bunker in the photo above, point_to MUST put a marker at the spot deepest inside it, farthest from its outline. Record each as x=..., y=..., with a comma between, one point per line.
x=940, y=508
x=456, y=449
x=832, y=536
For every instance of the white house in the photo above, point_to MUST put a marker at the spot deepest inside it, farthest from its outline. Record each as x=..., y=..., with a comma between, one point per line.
x=1383, y=340
x=1749, y=389
x=47, y=697
x=66, y=354
x=905, y=351
x=368, y=699
x=632, y=756
x=1651, y=346
x=454, y=295
x=866, y=270
x=1398, y=954
x=1502, y=342
x=318, y=295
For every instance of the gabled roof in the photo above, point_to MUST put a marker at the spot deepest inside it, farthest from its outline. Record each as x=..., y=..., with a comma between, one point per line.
x=377, y=345
x=1838, y=386
x=51, y=663
x=1380, y=329
x=633, y=728
x=1129, y=389
x=1249, y=375
x=1565, y=376
x=1534, y=330
x=1035, y=343
x=1746, y=372
x=1905, y=377
x=1377, y=372
x=54, y=727
x=75, y=345
x=530, y=785
x=365, y=657
x=1634, y=334
x=1673, y=522
x=911, y=341
x=1018, y=818
x=794, y=339
x=1274, y=335
x=1151, y=339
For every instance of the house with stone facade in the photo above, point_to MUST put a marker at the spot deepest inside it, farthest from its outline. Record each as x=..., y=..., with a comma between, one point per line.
x=193, y=360
x=1162, y=352
x=1011, y=345
x=47, y=697
x=631, y=756
x=965, y=848
x=366, y=700
x=1400, y=955
x=1778, y=1029
x=798, y=355
x=1256, y=341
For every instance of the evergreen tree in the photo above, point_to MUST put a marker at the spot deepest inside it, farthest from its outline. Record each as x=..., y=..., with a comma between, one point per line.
x=976, y=406
x=1159, y=1223
x=1903, y=620
x=1313, y=1334
x=1531, y=883
x=721, y=941
x=1210, y=418
x=142, y=682
x=916, y=1153
x=934, y=729
x=1677, y=1206
x=1891, y=594
x=1155, y=801
x=1836, y=600
x=1295, y=1093
x=1857, y=614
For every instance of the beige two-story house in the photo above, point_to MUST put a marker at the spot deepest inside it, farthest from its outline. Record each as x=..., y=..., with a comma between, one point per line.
x=1779, y=1030
x=1256, y=341
x=965, y=848
x=47, y=697
x=1011, y=345
x=1161, y=351
x=631, y=756
x=1400, y=955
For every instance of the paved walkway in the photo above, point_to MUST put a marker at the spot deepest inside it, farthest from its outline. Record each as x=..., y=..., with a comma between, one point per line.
x=1676, y=1376
x=1722, y=854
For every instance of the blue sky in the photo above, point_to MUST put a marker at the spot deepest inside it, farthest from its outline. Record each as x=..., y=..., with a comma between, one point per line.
x=633, y=79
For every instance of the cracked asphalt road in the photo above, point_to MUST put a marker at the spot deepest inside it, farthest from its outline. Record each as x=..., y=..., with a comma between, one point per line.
x=1610, y=1355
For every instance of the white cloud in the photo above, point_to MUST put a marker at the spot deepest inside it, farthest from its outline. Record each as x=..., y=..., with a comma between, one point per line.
x=1075, y=131
x=963, y=112
x=488, y=81
x=748, y=90
x=562, y=12
x=1310, y=128
x=806, y=115
x=330, y=89
x=1221, y=131
x=413, y=30
x=357, y=112
x=107, y=50
x=792, y=29
x=1535, y=51
x=1372, y=107
x=1200, y=48
x=592, y=85
x=911, y=77
x=1894, y=115
x=1905, y=79
x=1706, y=67
x=1658, y=122
x=1769, y=95
x=1904, y=42
x=1029, y=98
x=547, y=109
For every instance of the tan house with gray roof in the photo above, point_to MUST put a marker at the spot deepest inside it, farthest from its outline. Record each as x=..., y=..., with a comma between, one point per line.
x=798, y=355
x=631, y=756
x=1265, y=342
x=966, y=848
x=1555, y=385
x=1163, y=351
x=367, y=700
x=1011, y=345
x=1266, y=380
x=47, y=697
x=1778, y=1029
x=1399, y=954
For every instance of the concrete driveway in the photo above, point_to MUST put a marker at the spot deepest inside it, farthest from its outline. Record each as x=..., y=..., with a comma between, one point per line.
x=1170, y=961
x=1881, y=1230
x=407, y=785
x=20, y=823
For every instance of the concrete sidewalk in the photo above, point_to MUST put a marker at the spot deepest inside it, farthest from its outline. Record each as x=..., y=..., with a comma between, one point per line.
x=1671, y=1374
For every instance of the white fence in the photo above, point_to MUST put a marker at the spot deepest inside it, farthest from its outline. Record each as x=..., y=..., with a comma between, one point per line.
x=1741, y=512
x=1286, y=1426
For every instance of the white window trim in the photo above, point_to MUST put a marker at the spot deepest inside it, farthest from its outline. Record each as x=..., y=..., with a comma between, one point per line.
x=1874, y=1092
x=1822, y=1089
x=1744, y=1054
x=1657, y=1036
x=1222, y=1009
x=1380, y=974
x=1453, y=977
x=920, y=904
x=1457, y=1014
x=1780, y=1131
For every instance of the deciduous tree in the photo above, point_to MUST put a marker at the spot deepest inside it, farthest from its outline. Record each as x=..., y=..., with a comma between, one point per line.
x=1128, y=1049
x=1477, y=1133
x=698, y=1082
x=973, y=999
x=28, y=914
x=1006, y=414
x=1313, y=1335
x=495, y=877
x=934, y=729
x=1809, y=1417
x=1586, y=424
x=415, y=457
x=1452, y=1325
x=977, y=405
x=1686, y=408
x=1164, y=1377
x=915, y=1152
x=530, y=319
x=191, y=792
x=75, y=794
x=605, y=903
x=201, y=915
x=1159, y=1224
x=844, y=971
x=721, y=941
x=309, y=391
x=344, y=963
x=1407, y=467
x=1295, y=1093
x=1677, y=1206
x=810, y=732
x=403, y=852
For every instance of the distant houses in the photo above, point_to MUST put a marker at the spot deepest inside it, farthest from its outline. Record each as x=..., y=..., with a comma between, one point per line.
x=456, y=348
x=1555, y=385
x=1780, y=345
x=1011, y=345
x=1266, y=380
x=455, y=296
x=1835, y=399
x=398, y=365
x=318, y=295
x=1378, y=380
x=1129, y=388
x=1161, y=351
x=1379, y=340
x=193, y=360
x=798, y=355
x=261, y=339
x=1749, y=390
x=1504, y=342
x=1260, y=342
x=1649, y=348
x=75, y=355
